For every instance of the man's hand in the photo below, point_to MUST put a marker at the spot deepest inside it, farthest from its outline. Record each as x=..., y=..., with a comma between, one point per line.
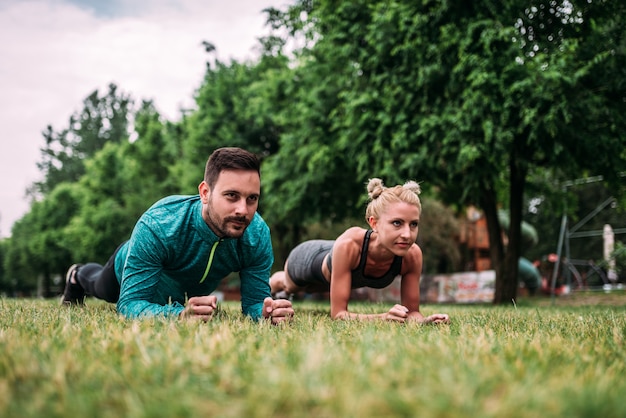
x=278, y=310
x=200, y=308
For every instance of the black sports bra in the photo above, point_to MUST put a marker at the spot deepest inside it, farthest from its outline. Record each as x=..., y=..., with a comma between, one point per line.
x=359, y=279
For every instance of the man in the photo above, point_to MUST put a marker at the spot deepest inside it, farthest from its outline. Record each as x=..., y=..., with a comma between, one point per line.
x=183, y=246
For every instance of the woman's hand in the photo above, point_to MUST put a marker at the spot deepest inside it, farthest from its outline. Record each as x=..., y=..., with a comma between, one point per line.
x=398, y=313
x=436, y=319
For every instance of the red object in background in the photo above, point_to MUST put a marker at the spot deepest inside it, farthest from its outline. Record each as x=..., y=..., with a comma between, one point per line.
x=547, y=290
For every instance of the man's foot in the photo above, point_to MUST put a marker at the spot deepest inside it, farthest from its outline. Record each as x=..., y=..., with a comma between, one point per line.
x=74, y=294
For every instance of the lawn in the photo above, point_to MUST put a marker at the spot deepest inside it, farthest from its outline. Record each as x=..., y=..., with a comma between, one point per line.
x=535, y=358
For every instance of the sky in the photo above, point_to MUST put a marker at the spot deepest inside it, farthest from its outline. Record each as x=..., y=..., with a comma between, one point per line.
x=54, y=53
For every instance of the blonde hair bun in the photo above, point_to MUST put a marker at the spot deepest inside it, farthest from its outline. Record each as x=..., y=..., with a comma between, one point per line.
x=375, y=187
x=380, y=197
x=413, y=186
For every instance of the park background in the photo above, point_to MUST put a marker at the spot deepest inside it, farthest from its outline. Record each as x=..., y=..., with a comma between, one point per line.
x=513, y=109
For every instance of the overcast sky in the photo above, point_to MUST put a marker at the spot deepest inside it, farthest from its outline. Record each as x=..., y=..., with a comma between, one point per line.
x=54, y=53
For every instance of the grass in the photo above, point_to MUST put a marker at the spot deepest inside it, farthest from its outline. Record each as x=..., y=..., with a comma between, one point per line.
x=528, y=360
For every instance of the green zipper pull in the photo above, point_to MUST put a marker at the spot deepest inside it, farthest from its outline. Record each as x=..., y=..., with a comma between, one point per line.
x=208, y=266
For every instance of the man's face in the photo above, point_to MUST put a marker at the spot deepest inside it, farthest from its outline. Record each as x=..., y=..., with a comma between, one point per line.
x=229, y=207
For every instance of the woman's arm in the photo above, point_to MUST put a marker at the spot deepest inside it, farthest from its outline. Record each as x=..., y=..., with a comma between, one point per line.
x=346, y=257
x=346, y=254
x=410, y=289
x=410, y=286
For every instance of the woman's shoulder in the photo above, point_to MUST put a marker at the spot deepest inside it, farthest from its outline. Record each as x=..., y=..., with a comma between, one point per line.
x=355, y=233
x=351, y=238
x=412, y=259
x=347, y=249
x=414, y=253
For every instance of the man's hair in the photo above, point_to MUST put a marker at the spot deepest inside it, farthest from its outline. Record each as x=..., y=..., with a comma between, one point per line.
x=229, y=158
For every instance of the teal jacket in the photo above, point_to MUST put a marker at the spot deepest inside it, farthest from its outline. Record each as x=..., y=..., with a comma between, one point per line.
x=166, y=261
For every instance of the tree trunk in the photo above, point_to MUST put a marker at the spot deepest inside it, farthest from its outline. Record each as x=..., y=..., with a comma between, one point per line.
x=488, y=203
x=507, y=282
x=44, y=285
x=47, y=286
x=516, y=202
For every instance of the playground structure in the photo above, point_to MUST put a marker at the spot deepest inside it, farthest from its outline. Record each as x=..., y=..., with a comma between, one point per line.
x=575, y=272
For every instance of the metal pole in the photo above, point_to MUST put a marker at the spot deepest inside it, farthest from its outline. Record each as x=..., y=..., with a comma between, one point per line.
x=558, y=257
x=593, y=213
x=568, y=272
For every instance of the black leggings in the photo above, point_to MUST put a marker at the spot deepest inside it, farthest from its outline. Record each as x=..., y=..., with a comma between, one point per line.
x=100, y=281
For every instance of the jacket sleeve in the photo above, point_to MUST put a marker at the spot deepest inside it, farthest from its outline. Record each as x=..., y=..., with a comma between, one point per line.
x=141, y=274
x=255, y=275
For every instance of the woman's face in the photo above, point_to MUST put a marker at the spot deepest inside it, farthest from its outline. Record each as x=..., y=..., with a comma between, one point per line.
x=397, y=227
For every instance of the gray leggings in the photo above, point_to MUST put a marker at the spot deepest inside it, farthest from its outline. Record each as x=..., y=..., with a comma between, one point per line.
x=304, y=264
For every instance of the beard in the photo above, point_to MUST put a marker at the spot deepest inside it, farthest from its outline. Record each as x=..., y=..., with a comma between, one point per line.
x=223, y=227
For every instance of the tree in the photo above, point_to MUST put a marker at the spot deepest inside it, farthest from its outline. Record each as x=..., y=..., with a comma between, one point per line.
x=309, y=180
x=38, y=248
x=245, y=105
x=233, y=109
x=110, y=182
x=5, y=280
x=120, y=183
x=103, y=119
x=450, y=93
x=149, y=161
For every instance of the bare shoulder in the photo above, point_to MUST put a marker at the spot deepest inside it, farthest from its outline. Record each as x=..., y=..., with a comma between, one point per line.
x=415, y=252
x=352, y=235
x=348, y=245
x=412, y=260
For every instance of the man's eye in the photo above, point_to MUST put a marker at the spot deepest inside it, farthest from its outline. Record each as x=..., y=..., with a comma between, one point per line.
x=253, y=198
x=414, y=224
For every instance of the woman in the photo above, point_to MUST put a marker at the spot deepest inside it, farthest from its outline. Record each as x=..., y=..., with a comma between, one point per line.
x=366, y=258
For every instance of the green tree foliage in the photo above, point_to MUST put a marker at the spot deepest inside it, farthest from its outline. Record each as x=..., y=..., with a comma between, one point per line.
x=103, y=119
x=38, y=248
x=103, y=221
x=438, y=238
x=121, y=182
x=484, y=103
x=86, y=219
x=312, y=179
x=39, y=245
x=18, y=264
x=5, y=279
x=149, y=160
x=234, y=108
x=243, y=104
x=619, y=258
x=461, y=96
